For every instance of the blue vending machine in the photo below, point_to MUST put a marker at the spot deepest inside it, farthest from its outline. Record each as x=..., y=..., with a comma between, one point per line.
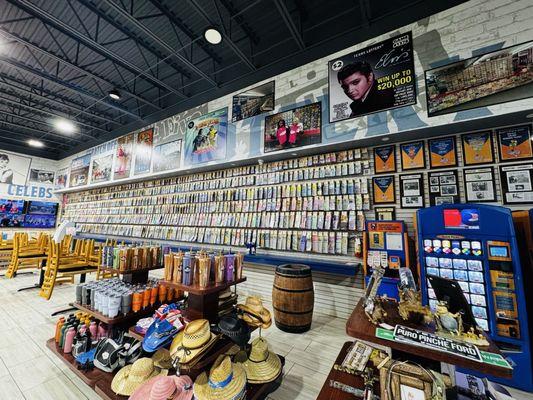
x=476, y=245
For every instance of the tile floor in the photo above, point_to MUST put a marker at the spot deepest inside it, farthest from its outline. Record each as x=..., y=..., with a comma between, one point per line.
x=28, y=370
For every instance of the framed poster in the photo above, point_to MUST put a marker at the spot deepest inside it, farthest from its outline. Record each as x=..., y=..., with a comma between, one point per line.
x=385, y=159
x=301, y=126
x=479, y=185
x=143, y=151
x=167, y=156
x=61, y=179
x=384, y=189
x=14, y=168
x=443, y=187
x=79, y=170
x=491, y=78
x=514, y=143
x=101, y=168
x=41, y=176
x=413, y=155
x=373, y=79
x=206, y=138
x=385, y=213
x=442, y=152
x=252, y=102
x=477, y=148
x=412, y=191
x=517, y=183
x=123, y=156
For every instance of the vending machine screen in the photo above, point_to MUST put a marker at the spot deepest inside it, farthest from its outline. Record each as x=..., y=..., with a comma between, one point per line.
x=467, y=218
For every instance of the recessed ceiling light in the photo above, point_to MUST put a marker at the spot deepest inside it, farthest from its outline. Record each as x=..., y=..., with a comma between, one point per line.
x=65, y=126
x=213, y=35
x=294, y=154
x=385, y=139
x=529, y=115
x=114, y=94
x=35, y=143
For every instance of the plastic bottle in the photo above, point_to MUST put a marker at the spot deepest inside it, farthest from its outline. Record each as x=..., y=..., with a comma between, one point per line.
x=59, y=324
x=69, y=338
x=93, y=328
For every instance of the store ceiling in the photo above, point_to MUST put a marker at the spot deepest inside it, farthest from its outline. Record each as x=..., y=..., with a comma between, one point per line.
x=61, y=58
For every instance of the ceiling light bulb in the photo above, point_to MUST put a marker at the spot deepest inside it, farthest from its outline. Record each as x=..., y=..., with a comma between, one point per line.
x=213, y=36
x=385, y=139
x=114, y=94
x=35, y=143
x=65, y=126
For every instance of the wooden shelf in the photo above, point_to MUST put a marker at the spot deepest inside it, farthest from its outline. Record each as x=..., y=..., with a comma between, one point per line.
x=197, y=290
x=120, y=318
x=131, y=271
x=359, y=327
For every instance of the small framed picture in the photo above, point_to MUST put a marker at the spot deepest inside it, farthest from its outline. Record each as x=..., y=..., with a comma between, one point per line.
x=413, y=155
x=385, y=213
x=514, y=143
x=384, y=189
x=477, y=148
x=385, y=159
x=412, y=191
x=442, y=152
x=479, y=185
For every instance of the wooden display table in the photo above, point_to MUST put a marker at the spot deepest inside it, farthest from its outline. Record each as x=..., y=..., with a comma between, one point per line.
x=148, y=311
x=132, y=276
x=359, y=327
x=330, y=393
x=202, y=303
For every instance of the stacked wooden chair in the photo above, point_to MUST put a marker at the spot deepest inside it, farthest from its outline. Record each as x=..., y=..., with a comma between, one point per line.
x=62, y=266
x=6, y=250
x=27, y=253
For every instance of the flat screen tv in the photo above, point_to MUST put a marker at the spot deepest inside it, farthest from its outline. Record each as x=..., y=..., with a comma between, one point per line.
x=42, y=207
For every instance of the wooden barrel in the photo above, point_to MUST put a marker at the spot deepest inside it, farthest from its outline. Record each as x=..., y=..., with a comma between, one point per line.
x=293, y=298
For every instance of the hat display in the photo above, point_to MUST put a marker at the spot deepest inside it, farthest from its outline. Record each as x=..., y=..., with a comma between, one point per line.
x=162, y=359
x=226, y=381
x=254, y=313
x=130, y=377
x=262, y=365
x=165, y=388
x=235, y=329
x=192, y=341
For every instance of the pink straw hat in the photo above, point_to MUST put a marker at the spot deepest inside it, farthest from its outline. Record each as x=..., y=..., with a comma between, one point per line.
x=165, y=388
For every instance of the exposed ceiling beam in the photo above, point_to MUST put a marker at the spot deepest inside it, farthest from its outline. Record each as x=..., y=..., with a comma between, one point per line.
x=147, y=33
x=285, y=15
x=26, y=137
x=46, y=152
x=51, y=20
x=235, y=14
x=50, y=54
x=227, y=40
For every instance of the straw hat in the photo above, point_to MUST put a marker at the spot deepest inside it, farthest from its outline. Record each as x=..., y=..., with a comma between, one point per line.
x=192, y=341
x=162, y=359
x=129, y=378
x=165, y=388
x=262, y=365
x=227, y=381
x=255, y=314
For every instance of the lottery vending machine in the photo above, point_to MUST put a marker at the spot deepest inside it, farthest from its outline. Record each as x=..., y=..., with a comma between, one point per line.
x=386, y=244
x=476, y=245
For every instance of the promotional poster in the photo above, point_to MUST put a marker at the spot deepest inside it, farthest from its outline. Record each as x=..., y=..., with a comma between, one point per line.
x=413, y=155
x=101, y=169
x=41, y=176
x=384, y=190
x=384, y=159
x=61, y=179
x=79, y=171
x=206, y=137
x=123, y=157
x=253, y=102
x=477, y=148
x=143, y=151
x=13, y=168
x=298, y=127
x=514, y=143
x=377, y=78
x=501, y=76
x=167, y=156
x=442, y=152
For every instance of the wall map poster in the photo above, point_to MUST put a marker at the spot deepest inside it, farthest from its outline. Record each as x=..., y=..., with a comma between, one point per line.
x=123, y=156
x=384, y=189
x=477, y=148
x=514, y=143
x=517, y=183
x=479, y=185
x=377, y=78
x=442, y=152
x=143, y=151
x=384, y=159
x=79, y=170
x=206, y=138
x=412, y=191
x=413, y=155
x=443, y=187
x=167, y=156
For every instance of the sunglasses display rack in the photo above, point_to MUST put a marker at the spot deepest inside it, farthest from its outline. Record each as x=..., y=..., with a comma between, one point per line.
x=309, y=204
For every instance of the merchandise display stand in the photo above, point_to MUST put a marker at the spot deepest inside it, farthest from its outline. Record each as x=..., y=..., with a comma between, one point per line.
x=119, y=319
x=132, y=276
x=202, y=303
x=359, y=327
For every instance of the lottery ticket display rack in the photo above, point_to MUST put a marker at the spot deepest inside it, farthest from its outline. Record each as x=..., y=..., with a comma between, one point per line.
x=476, y=245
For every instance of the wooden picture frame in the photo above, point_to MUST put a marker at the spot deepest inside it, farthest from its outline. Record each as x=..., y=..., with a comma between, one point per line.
x=477, y=148
x=514, y=143
x=385, y=213
x=442, y=152
x=385, y=159
x=413, y=155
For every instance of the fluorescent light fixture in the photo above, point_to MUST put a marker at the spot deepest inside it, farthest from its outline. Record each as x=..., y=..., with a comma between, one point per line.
x=385, y=139
x=213, y=35
x=65, y=126
x=35, y=143
x=114, y=94
x=529, y=115
x=294, y=154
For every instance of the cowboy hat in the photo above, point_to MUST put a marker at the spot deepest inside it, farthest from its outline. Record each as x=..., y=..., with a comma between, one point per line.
x=192, y=341
x=130, y=377
x=226, y=381
x=262, y=365
x=254, y=313
x=165, y=388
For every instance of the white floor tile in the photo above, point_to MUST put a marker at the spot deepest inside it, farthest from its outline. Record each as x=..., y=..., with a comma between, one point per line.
x=34, y=372
x=60, y=388
x=9, y=389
